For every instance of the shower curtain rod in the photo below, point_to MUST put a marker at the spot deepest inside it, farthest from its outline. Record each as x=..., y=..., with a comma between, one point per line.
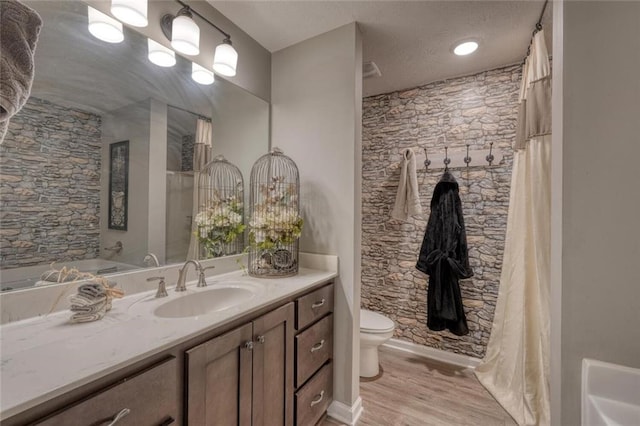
x=537, y=28
x=205, y=118
x=539, y=23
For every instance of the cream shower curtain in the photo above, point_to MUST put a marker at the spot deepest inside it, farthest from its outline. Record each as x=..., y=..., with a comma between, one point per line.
x=516, y=366
x=201, y=156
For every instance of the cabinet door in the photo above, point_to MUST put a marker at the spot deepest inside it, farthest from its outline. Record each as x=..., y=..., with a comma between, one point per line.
x=219, y=380
x=273, y=368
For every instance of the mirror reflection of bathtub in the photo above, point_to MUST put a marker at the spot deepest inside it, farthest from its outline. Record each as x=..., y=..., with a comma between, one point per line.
x=30, y=276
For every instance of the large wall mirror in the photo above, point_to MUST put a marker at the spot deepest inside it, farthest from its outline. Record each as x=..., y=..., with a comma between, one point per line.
x=102, y=116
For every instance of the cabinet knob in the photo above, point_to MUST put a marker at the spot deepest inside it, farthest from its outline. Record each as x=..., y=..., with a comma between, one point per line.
x=248, y=345
x=260, y=339
x=316, y=305
x=318, y=399
x=317, y=346
x=123, y=413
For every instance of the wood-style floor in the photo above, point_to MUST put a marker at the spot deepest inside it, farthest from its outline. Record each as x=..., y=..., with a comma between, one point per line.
x=414, y=391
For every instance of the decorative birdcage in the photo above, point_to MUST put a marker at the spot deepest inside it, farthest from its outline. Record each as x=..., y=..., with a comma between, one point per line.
x=220, y=219
x=275, y=224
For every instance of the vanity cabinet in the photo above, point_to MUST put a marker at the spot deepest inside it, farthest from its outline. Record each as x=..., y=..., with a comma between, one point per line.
x=147, y=398
x=244, y=377
x=314, y=353
x=271, y=367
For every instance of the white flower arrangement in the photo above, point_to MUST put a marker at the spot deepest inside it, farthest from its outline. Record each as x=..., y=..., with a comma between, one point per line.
x=219, y=223
x=276, y=221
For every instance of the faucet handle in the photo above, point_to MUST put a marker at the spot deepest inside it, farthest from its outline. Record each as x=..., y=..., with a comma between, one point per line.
x=162, y=288
x=202, y=279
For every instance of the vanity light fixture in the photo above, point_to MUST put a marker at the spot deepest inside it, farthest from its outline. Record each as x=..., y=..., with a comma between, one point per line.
x=225, y=59
x=465, y=48
x=160, y=55
x=201, y=75
x=184, y=34
x=132, y=12
x=104, y=27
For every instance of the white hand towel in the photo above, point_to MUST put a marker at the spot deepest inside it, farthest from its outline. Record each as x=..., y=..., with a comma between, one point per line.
x=408, y=196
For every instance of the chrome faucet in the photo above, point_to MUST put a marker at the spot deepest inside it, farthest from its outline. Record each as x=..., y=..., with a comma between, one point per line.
x=182, y=274
x=151, y=260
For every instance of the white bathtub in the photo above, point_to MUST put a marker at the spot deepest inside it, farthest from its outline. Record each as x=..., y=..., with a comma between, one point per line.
x=28, y=276
x=610, y=394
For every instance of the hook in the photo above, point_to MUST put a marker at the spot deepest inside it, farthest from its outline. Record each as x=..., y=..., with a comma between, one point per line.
x=427, y=162
x=447, y=160
x=490, y=157
x=467, y=159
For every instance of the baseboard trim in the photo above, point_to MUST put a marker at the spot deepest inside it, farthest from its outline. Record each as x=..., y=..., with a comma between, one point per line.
x=345, y=414
x=434, y=354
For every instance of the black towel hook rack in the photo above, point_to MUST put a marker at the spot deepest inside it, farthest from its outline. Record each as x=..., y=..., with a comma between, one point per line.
x=447, y=160
x=427, y=162
x=490, y=157
x=467, y=159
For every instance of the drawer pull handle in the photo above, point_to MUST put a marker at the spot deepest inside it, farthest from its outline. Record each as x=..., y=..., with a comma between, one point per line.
x=123, y=413
x=248, y=346
x=317, y=346
x=260, y=339
x=318, y=304
x=318, y=399
x=168, y=421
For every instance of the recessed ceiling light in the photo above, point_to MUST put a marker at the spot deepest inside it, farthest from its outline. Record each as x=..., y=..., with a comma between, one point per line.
x=465, y=48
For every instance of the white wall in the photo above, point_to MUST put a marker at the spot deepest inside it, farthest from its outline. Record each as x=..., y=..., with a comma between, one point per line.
x=130, y=123
x=144, y=125
x=601, y=198
x=317, y=120
x=157, y=196
x=241, y=132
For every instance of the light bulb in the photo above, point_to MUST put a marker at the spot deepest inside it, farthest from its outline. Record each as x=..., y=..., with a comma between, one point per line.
x=104, y=27
x=132, y=12
x=185, y=35
x=201, y=74
x=225, y=59
x=160, y=55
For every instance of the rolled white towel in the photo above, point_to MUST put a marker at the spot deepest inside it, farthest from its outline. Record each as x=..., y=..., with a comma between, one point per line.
x=84, y=300
x=84, y=317
x=90, y=309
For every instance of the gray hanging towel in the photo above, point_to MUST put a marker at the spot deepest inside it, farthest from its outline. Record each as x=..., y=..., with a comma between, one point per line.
x=19, y=30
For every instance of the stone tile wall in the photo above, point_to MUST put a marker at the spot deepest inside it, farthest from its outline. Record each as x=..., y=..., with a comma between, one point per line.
x=50, y=186
x=188, y=146
x=475, y=110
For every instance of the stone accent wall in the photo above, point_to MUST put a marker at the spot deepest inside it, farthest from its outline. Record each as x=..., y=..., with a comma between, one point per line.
x=50, y=186
x=188, y=145
x=474, y=110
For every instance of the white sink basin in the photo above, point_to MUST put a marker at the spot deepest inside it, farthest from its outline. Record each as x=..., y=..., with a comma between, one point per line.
x=214, y=299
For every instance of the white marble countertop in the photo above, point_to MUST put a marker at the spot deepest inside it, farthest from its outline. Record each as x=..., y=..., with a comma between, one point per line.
x=47, y=356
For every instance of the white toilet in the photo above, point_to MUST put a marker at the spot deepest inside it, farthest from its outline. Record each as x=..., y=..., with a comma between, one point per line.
x=375, y=329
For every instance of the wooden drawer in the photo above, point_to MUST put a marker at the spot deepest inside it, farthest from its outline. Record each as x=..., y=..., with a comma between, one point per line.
x=151, y=396
x=313, y=399
x=314, y=347
x=313, y=306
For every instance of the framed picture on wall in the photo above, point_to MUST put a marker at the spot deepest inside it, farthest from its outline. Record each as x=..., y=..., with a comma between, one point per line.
x=118, y=185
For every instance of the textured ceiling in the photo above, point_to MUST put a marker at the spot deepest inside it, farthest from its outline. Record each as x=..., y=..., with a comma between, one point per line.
x=410, y=41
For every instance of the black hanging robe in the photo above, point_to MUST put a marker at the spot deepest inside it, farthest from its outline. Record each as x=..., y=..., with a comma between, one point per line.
x=443, y=256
